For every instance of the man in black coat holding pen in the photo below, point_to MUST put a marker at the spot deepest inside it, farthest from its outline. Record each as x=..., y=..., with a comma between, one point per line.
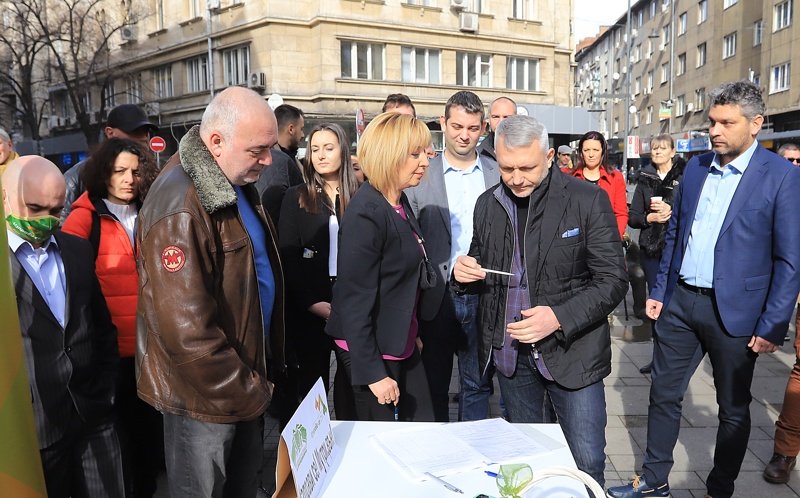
x=545, y=326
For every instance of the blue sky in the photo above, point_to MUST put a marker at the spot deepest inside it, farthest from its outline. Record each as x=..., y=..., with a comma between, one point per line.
x=588, y=17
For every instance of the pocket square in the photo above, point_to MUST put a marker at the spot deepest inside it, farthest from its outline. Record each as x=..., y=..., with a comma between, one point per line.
x=572, y=232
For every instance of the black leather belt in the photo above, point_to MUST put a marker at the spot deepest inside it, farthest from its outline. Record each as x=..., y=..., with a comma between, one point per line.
x=703, y=291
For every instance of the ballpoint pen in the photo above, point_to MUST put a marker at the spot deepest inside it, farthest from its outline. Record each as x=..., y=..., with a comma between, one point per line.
x=497, y=272
x=444, y=483
x=396, y=412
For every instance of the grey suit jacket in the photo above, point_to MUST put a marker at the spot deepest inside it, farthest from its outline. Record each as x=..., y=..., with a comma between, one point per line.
x=429, y=202
x=72, y=370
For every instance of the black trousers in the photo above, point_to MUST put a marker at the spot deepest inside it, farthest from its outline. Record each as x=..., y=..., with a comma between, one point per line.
x=141, y=430
x=85, y=463
x=415, y=397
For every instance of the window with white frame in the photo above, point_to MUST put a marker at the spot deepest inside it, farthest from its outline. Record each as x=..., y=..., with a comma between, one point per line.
x=680, y=105
x=758, y=32
x=637, y=52
x=637, y=85
x=681, y=64
x=702, y=11
x=635, y=119
x=682, y=20
x=700, y=98
x=162, y=82
x=426, y=3
x=756, y=79
x=779, y=80
x=109, y=95
x=474, y=6
x=701, y=55
x=649, y=115
x=195, y=9
x=664, y=72
x=473, y=69
x=650, y=79
x=653, y=9
x=420, y=65
x=197, y=74
x=783, y=15
x=729, y=3
x=650, y=48
x=522, y=74
x=236, y=65
x=665, y=34
x=640, y=17
x=616, y=126
x=523, y=9
x=159, y=10
x=729, y=45
x=363, y=61
x=133, y=89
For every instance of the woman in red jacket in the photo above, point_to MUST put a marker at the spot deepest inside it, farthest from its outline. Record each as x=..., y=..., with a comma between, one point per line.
x=593, y=167
x=106, y=215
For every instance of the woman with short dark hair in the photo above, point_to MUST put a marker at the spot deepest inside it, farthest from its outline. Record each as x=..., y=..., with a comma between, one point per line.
x=106, y=215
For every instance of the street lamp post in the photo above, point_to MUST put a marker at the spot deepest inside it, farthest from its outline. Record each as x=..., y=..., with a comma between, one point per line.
x=628, y=70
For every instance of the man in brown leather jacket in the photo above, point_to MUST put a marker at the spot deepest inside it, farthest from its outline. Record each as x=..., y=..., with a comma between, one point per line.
x=210, y=315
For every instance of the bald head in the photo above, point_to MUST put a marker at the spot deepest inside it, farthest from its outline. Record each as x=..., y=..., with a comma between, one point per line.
x=229, y=108
x=33, y=186
x=239, y=129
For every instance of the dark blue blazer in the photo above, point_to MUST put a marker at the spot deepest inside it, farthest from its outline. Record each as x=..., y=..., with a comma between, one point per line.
x=757, y=254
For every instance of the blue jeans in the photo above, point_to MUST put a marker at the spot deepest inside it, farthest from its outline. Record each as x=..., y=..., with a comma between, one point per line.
x=473, y=404
x=581, y=412
x=213, y=460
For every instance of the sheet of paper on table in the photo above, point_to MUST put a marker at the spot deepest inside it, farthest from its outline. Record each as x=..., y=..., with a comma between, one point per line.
x=451, y=448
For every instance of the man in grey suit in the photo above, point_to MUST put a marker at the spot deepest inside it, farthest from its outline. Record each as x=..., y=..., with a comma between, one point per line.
x=443, y=203
x=70, y=342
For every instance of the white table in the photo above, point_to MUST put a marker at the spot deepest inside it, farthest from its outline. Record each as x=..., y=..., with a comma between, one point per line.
x=365, y=471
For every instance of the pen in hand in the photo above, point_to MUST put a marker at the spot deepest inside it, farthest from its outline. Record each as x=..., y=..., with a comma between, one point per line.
x=396, y=412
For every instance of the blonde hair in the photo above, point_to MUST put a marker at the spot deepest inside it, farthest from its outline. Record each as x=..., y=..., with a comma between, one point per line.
x=385, y=145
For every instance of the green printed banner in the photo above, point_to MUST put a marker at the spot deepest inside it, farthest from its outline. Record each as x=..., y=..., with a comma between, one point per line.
x=20, y=467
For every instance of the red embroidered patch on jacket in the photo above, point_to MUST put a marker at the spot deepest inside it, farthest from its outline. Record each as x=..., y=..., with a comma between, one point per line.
x=173, y=258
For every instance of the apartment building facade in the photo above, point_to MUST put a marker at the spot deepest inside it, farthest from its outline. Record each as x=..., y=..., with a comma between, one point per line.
x=680, y=49
x=333, y=57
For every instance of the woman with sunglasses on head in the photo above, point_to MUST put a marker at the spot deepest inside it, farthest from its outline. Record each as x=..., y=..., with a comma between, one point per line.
x=592, y=166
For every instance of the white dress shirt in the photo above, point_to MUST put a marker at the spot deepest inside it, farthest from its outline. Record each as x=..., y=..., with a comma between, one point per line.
x=45, y=267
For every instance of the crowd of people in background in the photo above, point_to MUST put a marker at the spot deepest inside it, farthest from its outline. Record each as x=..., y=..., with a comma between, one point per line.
x=176, y=305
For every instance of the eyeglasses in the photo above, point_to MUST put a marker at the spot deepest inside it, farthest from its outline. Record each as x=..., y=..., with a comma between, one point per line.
x=795, y=160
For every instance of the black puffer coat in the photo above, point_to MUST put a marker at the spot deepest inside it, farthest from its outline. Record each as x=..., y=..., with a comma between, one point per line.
x=651, y=237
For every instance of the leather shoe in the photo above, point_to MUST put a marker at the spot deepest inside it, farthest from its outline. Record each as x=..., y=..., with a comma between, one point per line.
x=777, y=471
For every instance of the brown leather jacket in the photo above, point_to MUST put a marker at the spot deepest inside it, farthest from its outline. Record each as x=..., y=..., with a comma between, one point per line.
x=200, y=340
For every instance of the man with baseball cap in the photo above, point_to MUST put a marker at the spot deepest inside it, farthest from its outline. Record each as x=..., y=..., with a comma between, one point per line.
x=124, y=121
x=565, y=156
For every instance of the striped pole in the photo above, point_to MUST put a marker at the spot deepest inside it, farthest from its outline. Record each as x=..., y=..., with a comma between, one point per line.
x=20, y=465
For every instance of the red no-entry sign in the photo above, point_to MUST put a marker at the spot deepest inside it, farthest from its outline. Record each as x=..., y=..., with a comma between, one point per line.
x=158, y=144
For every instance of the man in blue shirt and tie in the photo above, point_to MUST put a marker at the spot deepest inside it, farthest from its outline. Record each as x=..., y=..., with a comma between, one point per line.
x=729, y=277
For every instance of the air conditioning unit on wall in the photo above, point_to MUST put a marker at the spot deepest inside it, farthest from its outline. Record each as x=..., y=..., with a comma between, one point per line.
x=128, y=33
x=468, y=22
x=257, y=81
x=458, y=4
